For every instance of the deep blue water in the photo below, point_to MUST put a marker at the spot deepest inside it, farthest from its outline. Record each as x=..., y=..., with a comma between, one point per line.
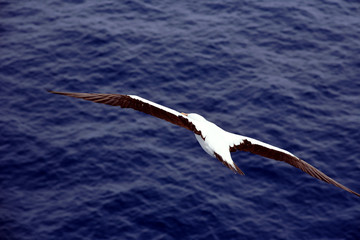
x=284, y=72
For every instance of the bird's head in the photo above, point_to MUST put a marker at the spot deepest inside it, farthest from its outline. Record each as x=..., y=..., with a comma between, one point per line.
x=194, y=116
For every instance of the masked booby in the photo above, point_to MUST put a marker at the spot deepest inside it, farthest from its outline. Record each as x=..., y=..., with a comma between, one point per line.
x=214, y=140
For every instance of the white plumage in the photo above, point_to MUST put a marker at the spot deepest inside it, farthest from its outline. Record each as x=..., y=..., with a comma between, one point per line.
x=214, y=140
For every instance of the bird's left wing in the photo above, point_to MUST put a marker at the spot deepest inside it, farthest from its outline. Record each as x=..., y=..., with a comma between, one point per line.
x=247, y=144
x=139, y=104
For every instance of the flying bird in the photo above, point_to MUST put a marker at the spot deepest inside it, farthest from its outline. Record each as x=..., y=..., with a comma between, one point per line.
x=214, y=140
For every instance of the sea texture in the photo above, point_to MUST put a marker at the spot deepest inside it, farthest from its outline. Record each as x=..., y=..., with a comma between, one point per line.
x=283, y=72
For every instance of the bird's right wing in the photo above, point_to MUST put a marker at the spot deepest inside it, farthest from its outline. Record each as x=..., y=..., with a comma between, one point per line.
x=247, y=144
x=139, y=104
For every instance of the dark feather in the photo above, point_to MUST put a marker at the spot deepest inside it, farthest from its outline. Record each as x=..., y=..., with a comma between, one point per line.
x=247, y=146
x=236, y=169
x=126, y=101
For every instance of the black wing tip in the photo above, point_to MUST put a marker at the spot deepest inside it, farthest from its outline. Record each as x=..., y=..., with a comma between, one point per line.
x=247, y=146
x=353, y=192
x=54, y=92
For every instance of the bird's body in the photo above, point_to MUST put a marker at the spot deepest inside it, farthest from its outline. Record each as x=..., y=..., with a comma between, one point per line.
x=212, y=136
x=214, y=140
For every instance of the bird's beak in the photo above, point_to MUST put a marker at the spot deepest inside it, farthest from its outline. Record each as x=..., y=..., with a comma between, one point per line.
x=185, y=114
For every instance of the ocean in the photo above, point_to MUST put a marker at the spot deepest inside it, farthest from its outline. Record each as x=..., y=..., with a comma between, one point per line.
x=283, y=72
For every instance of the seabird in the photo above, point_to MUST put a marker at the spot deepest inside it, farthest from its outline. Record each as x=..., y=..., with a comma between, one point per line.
x=214, y=140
